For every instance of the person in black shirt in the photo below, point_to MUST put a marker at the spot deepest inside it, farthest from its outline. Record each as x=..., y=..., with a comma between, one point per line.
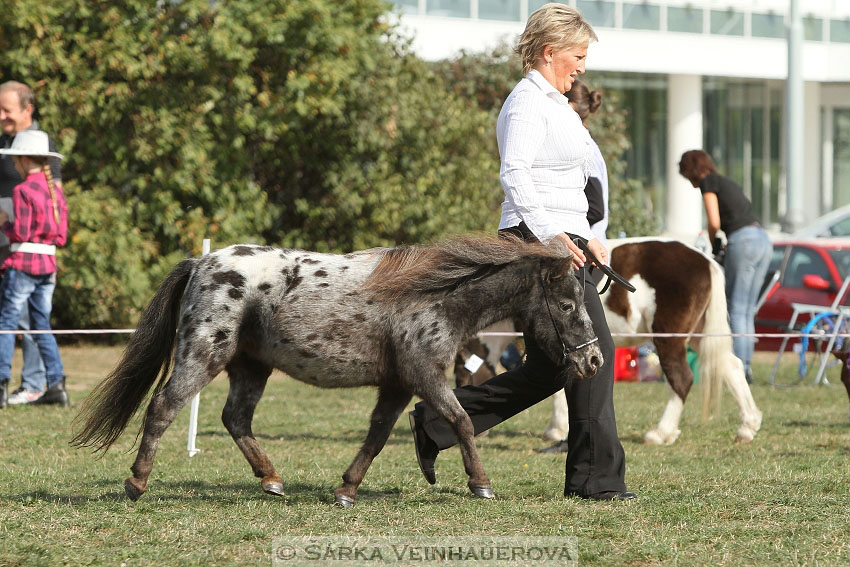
x=748, y=248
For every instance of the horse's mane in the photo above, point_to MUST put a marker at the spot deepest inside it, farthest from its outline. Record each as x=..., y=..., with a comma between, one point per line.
x=416, y=270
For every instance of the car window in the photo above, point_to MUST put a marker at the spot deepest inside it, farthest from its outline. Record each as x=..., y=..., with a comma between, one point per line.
x=842, y=261
x=802, y=262
x=776, y=260
x=841, y=228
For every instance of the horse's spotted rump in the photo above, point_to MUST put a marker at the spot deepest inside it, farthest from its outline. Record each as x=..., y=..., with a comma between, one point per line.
x=230, y=277
x=243, y=250
x=291, y=279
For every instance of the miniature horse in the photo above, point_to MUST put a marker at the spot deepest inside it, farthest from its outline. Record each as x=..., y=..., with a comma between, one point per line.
x=389, y=318
x=679, y=290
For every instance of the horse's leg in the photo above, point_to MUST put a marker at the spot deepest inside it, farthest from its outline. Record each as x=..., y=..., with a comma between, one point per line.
x=673, y=357
x=162, y=410
x=845, y=370
x=750, y=415
x=719, y=364
x=248, y=379
x=559, y=423
x=442, y=400
x=391, y=402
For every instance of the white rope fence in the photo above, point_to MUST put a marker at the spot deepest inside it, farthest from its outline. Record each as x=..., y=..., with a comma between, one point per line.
x=481, y=334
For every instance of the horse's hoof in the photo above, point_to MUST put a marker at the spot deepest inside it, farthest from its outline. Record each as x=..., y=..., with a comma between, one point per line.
x=343, y=500
x=745, y=435
x=273, y=488
x=554, y=434
x=482, y=491
x=653, y=438
x=131, y=490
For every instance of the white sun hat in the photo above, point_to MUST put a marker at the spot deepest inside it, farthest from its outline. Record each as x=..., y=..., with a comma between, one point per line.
x=30, y=143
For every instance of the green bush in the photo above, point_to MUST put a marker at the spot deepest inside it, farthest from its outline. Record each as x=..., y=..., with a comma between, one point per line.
x=301, y=123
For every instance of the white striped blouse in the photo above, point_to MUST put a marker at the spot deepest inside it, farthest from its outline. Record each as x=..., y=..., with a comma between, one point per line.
x=545, y=152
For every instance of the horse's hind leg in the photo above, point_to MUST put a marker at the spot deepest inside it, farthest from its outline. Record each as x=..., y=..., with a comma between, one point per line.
x=731, y=369
x=673, y=357
x=391, y=402
x=164, y=407
x=248, y=379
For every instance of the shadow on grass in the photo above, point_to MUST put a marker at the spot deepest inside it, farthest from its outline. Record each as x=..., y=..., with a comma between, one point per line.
x=295, y=493
x=353, y=437
x=818, y=424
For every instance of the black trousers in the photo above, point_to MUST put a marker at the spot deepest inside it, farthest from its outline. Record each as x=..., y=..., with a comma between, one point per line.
x=595, y=461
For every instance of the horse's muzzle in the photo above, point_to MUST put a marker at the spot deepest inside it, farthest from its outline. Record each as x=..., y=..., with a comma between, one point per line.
x=587, y=361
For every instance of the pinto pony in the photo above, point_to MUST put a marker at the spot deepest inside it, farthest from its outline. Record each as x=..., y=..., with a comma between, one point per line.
x=679, y=290
x=389, y=318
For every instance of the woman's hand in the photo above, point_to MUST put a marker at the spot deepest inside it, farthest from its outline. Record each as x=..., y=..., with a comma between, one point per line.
x=598, y=250
x=578, y=255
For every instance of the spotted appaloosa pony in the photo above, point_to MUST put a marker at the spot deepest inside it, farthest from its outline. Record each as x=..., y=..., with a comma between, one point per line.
x=389, y=318
x=679, y=290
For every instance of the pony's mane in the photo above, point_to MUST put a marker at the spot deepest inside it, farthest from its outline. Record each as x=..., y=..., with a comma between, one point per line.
x=414, y=270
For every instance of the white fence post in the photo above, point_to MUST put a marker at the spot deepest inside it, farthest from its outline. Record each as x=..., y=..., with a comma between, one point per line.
x=196, y=401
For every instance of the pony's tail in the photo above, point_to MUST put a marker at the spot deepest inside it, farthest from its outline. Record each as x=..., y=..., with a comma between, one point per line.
x=716, y=355
x=112, y=403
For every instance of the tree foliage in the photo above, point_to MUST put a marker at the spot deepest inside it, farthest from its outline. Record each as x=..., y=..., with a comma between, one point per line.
x=302, y=123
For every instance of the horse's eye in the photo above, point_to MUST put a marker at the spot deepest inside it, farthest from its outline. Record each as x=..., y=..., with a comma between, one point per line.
x=566, y=306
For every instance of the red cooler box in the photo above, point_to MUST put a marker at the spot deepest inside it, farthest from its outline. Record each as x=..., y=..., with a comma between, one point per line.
x=626, y=364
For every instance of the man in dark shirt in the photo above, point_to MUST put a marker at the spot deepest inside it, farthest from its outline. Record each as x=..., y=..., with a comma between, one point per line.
x=17, y=113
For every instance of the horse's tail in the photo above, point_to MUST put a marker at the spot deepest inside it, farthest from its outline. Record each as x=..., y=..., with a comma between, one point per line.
x=112, y=403
x=716, y=356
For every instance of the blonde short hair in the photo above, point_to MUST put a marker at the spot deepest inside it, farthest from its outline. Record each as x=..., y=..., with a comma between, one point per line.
x=554, y=24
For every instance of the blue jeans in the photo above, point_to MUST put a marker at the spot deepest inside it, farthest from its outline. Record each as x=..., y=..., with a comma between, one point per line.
x=748, y=252
x=33, y=375
x=18, y=289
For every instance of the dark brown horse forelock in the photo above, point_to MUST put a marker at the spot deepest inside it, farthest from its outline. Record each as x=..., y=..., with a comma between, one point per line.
x=415, y=270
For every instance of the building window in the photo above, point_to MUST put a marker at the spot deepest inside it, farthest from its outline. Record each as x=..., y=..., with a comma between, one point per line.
x=641, y=17
x=453, y=8
x=727, y=22
x=841, y=156
x=742, y=125
x=768, y=25
x=598, y=13
x=839, y=31
x=407, y=6
x=499, y=10
x=687, y=20
x=813, y=28
x=533, y=5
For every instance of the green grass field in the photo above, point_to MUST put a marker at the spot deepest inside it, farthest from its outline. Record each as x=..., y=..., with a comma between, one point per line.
x=782, y=500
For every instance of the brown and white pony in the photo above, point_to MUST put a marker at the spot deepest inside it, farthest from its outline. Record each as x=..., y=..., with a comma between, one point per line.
x=679, y=290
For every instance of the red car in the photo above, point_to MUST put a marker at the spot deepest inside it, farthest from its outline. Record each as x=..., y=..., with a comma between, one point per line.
x=810, y=271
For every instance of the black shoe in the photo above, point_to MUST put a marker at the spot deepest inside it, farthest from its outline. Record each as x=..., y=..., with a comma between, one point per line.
x=55, y=395
x=559, y=447
x=608, y=495
x=426, y=449
x=4, y=394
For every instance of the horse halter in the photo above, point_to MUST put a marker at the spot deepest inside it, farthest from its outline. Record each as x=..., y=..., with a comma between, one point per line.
x=567, y=350
x=612, y=276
